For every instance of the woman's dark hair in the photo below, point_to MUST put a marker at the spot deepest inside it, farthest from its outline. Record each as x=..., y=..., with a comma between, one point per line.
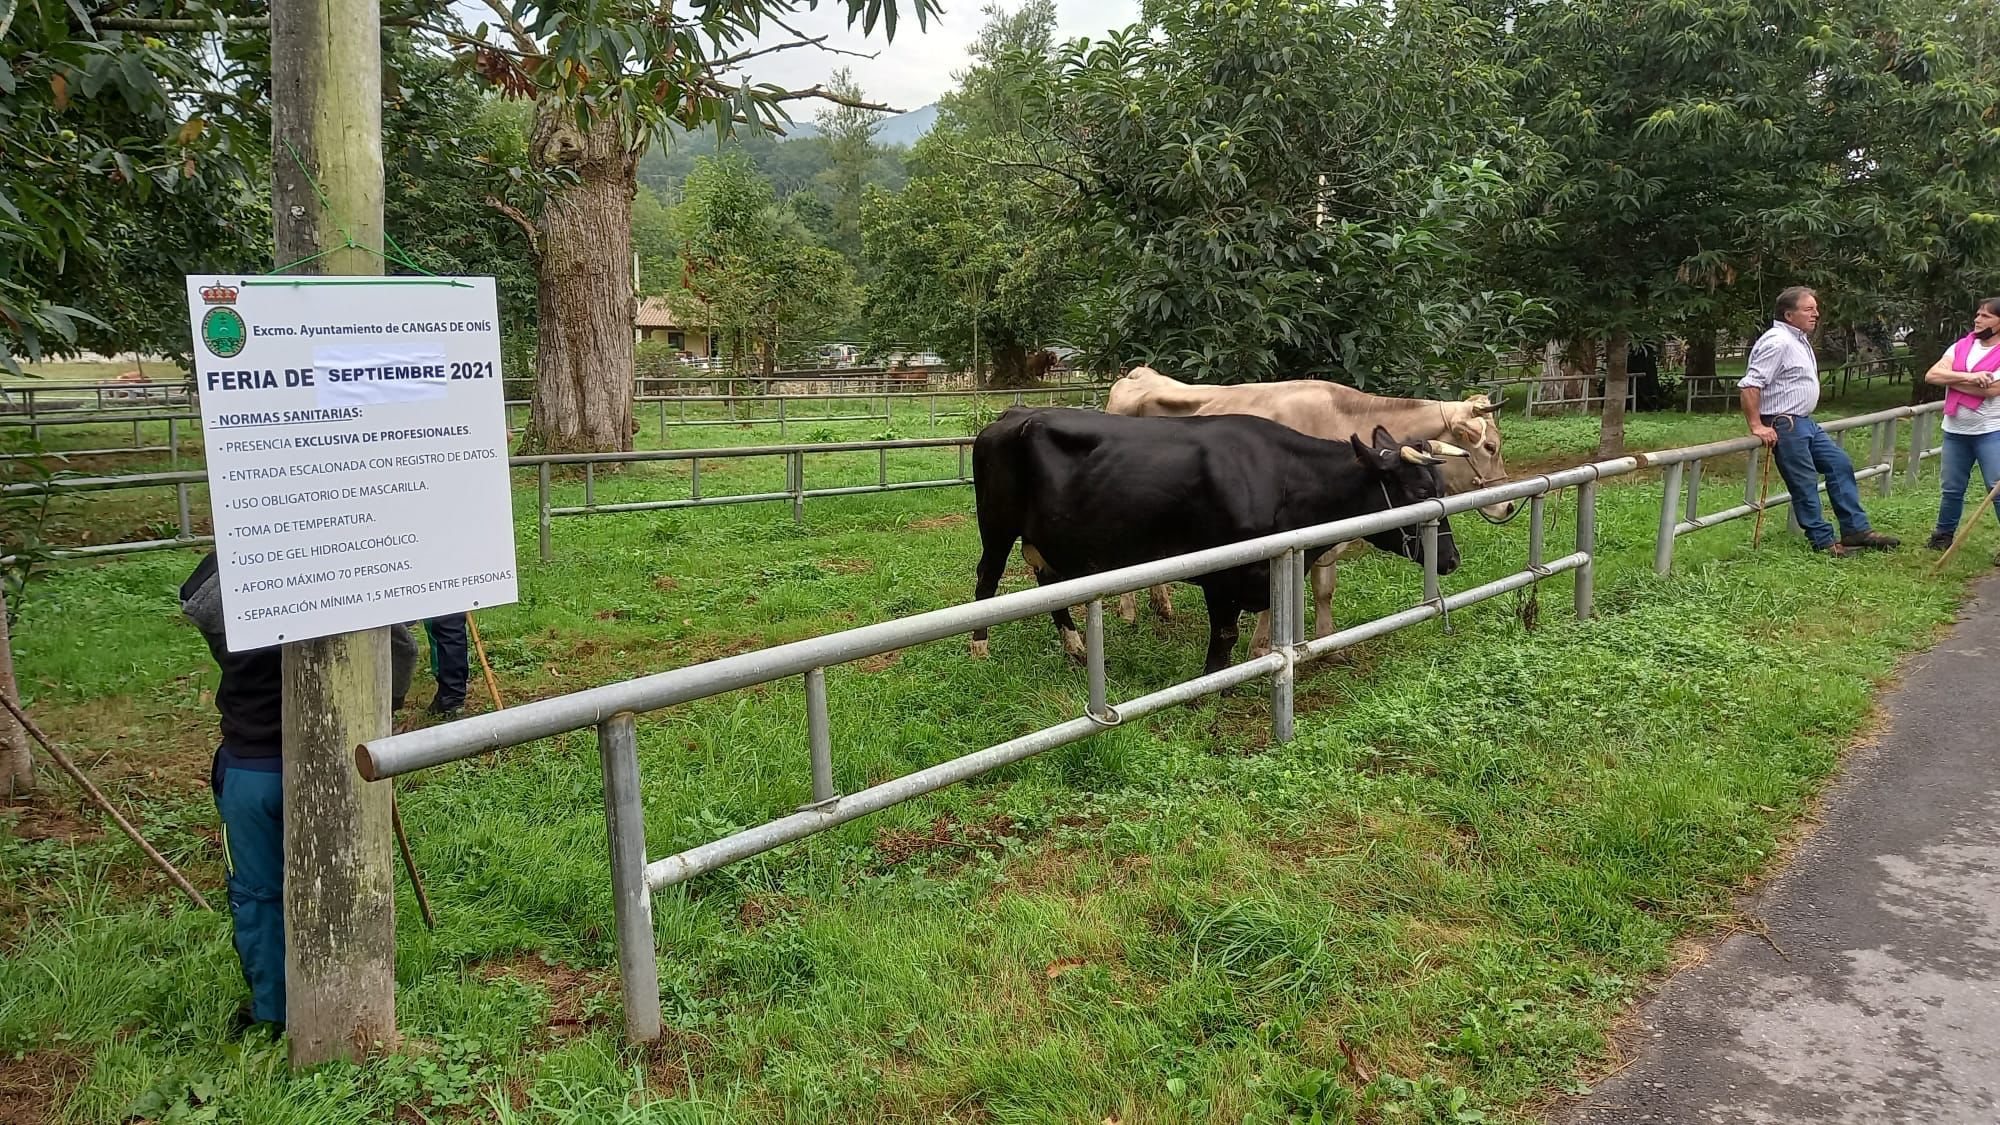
x=1990, y=305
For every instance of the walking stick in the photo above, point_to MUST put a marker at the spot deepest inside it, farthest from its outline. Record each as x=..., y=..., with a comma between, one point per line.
x=98, y=798
x=409, y=860
x=480, y=646
x=1965, y=532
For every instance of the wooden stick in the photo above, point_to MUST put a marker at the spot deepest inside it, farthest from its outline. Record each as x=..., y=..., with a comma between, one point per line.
x=410, y=861
x=98, y=798
x=480, y=646
x=1965, y=530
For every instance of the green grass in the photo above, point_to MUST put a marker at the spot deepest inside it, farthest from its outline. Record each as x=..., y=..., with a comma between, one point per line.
x=1429, y=907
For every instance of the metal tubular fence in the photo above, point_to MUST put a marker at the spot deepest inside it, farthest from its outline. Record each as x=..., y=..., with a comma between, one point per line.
x=612, y=709
x=66, y=398
x=795, y=489
x=786, y=414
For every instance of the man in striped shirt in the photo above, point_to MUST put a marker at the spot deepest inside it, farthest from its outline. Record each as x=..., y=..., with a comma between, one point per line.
x=1779, y=391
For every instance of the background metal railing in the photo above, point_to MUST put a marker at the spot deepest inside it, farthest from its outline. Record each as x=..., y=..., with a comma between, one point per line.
x=544, y=465
x=613, y=709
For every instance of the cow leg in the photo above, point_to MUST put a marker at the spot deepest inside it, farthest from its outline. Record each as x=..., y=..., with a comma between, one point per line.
x=1128, y=608
x=1224, y=612
x=1323, y=582
x=992, y=564
x=1260, y=638
x=1072, y=640
x=1163, y=601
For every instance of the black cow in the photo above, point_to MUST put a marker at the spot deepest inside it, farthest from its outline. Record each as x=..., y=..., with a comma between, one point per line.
x=1087, y=492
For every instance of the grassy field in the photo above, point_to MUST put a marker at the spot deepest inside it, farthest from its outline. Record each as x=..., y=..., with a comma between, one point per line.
x=1430, y=907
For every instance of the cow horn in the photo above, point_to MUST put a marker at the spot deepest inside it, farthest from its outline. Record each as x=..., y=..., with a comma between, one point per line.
x=1417, y=456
x=1492, y=406
x=1446, y=449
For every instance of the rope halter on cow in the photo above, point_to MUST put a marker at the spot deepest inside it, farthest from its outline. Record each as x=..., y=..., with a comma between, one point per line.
x=1480, y=480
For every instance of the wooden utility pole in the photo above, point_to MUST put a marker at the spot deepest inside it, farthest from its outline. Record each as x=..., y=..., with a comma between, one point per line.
x=17, y=764
x=340, y=934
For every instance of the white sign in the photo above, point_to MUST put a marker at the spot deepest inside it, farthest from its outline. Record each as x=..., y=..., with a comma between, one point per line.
x=357, y=451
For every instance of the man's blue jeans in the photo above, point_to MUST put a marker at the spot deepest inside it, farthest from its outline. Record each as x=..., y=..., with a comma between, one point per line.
x=1804, y=453
x=1960, y=451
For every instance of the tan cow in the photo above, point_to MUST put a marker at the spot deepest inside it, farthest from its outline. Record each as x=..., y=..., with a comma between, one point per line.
x=1332, y=412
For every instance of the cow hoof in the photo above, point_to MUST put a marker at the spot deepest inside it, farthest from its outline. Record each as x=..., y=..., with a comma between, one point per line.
x=979, y=650
x=1073, y=644
x=1128, y=609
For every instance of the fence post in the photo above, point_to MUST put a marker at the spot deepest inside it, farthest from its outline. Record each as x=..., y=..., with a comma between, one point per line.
x=1920, y=435
x=1537, y=512
x=1693, y=506
x=632, y=901
x=781, y=419
x=1284, y=614
x=1663, y=543
x=173, y=443
x=1093, y=655
x=1752, y=473
x=542, y=508
x=1586, y=542
x=1433, y=590
x=1888, y=458
x=798, y=486
x=819, y=736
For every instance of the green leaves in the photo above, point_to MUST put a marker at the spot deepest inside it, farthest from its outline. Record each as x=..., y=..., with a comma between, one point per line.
x=1282, y=190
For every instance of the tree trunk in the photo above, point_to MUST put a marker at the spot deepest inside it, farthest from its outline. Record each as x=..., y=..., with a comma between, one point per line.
x=1929, y=337
x=583, y=376
x=1701, y=356
x=1611, y=430
x=1579, y=367
x=1010, y=367
x=17, y=765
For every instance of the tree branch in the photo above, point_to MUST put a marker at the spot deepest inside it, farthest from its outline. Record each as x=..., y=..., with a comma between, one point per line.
x=820, y=42
x=824, y=94
x=521, y=37
x=520, y=220
x=132, y=23
x=1029, y=165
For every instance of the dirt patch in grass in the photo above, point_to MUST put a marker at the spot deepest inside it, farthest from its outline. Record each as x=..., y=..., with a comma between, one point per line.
x=932, y=523
x=947, y=835
x=570, y=990
x=31, y=1085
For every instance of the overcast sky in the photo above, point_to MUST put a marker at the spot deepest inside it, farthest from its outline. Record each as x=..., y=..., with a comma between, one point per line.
x=917, y=67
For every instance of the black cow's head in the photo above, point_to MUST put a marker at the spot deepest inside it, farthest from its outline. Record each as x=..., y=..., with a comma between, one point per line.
x=1399, y=474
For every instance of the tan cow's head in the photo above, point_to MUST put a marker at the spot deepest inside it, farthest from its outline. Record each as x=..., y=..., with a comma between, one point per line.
x=1475, y=428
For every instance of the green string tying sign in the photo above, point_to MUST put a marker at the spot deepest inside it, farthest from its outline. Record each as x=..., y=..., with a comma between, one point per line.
x=401, y=257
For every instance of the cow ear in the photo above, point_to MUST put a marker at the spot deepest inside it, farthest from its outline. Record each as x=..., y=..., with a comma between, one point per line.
x=1373, y=457
x=1383, y=439
x=1470, y=430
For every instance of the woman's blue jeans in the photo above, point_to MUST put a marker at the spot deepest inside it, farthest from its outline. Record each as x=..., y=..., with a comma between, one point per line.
x=1960, y=451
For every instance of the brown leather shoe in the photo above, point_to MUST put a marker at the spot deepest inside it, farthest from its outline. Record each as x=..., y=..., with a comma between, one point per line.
x=1837, y=550
x=1870, y=541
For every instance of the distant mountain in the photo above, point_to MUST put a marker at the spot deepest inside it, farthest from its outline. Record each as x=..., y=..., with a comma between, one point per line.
x=904, y=129
x=907, y=128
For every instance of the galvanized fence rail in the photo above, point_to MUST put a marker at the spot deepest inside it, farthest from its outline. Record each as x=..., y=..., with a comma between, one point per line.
x=612, y=710
x=795, y=490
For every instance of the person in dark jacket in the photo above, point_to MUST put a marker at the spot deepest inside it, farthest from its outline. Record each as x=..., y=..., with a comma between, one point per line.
x=248, y=784
x=451, y=663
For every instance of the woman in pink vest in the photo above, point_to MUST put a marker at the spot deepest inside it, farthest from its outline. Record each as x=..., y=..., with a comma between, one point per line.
x=1970, y=373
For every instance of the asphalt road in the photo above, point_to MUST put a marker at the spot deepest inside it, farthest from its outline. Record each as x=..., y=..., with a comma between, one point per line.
x=1885, y=1005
